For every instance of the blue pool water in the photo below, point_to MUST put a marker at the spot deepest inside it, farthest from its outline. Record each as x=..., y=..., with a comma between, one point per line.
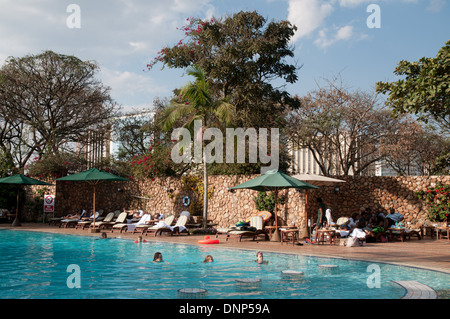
x=35, y=265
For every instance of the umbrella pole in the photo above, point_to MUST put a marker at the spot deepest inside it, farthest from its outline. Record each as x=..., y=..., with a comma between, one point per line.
x=94, y=230
x=306, y=231
x=16, y=222
x=276, y=234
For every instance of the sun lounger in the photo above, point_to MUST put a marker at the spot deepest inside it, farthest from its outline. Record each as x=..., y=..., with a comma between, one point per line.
x=341, y=221
x=86, y=222
x=83, y=224
x=67, y=223
x=119, y=223
x=257, y=229
x=179, y=228
x=132, y=226
x=103, y=223
x=166, y=223
x=142, y=225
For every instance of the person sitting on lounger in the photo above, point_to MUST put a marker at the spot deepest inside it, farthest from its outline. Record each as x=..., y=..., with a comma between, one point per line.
x=138, y=214
x=75, y=216
x=360, y=229
x=376, y=226
x=351, y=222
x=393, y=217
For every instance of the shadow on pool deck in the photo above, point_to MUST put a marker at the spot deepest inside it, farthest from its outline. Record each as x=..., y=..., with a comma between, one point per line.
x=425, y=253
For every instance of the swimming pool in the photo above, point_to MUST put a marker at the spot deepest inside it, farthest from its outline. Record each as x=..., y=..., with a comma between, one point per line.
x=46, y=266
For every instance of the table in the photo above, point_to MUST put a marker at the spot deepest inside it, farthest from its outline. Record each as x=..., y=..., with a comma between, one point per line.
x=440, y=230
x=424, y=231
x=325, y=236
x=286, y=233
x=270, y=229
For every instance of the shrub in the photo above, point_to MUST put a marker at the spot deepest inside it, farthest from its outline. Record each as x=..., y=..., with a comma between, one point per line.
x=266, y=202
x=437, y=199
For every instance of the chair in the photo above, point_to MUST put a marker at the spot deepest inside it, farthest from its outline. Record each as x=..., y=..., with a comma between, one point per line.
x=83, y=224
x=67, y=223
x=132, y=226
x=341, y=221
x=443, y=232
x=103, y=223
x=166, y=223
x=87, y=222
x=257, y=223
x=120, y=222
x=100, y=215
x=180, y=227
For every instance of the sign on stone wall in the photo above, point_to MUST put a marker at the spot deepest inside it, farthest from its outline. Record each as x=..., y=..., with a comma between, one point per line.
x=49, y=203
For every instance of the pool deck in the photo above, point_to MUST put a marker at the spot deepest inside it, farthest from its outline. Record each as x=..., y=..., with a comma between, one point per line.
x=425, y=253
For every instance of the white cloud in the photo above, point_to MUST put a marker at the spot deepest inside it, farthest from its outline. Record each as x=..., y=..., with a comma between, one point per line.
x=353, y=3
x=436, y=5
x=344, y=33
x=308, y=15
x=118, y=34
x=138, y=46
x=125, y=83
x=340, y=34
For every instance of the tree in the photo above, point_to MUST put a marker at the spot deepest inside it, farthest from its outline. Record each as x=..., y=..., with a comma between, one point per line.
x=196, y=102
x=424, y=91
x=243, y=57
x=55, y=97
x=342, y=129
x=134, y=132
x=414, y=149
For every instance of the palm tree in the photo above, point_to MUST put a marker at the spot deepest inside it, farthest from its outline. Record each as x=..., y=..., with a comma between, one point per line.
x=198, y=103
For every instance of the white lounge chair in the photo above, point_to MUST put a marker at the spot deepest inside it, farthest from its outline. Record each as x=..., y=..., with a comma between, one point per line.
x=166, y=223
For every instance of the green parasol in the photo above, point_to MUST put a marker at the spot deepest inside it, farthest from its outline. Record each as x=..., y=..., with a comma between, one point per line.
x=274, y=181
x=93, y=177
x=20, y=180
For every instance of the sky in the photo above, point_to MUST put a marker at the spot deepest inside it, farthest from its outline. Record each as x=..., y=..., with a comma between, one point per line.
x=361, y=41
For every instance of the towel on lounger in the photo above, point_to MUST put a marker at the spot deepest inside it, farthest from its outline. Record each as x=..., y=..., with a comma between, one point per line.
x=143, y=220
x=358, y=233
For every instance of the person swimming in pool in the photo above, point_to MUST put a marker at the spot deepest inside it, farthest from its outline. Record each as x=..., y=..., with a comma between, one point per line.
x=158, y=258
x=260, y=258
x=208, y=259
x=104, y=236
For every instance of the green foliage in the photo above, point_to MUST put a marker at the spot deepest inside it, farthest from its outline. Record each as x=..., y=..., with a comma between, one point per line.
x=6, y=164
x=34, y=207
x=241, y=55
x=8, y=196
x=265, y=201
x=55, y=166
x=425, y=89
x=156, y=162
x=196, y=102
x=194, y=184
x=437, y=199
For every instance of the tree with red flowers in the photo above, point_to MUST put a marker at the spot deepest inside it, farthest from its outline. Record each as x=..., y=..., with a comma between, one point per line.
x=242, y=55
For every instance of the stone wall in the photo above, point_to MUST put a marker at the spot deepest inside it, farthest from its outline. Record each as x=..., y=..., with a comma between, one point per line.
x=226, y=208
x=378, y=192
